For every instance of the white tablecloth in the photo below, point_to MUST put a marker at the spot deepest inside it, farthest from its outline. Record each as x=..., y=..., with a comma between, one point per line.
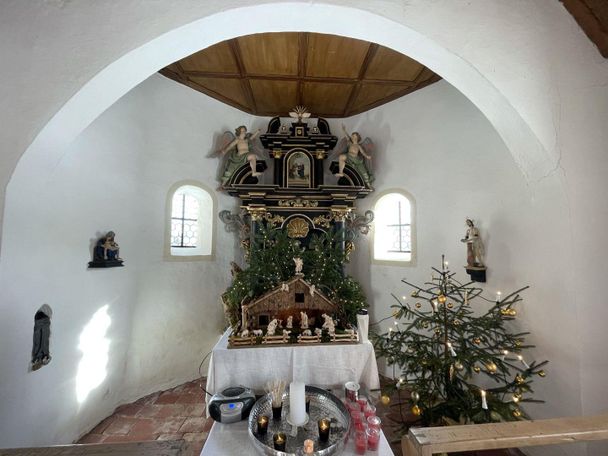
x=320, y=365
x=233, y=440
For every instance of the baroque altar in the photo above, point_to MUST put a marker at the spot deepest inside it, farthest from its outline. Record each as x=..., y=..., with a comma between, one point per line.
x=296, y=232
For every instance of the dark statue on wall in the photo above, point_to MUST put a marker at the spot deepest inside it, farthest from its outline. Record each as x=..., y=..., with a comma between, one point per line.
x=41, y=355
x=105, y=253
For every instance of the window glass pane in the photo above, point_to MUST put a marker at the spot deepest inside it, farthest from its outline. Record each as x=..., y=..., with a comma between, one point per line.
x=191, y=209
x=393, y=231
x=177, y=205
x=190, y=234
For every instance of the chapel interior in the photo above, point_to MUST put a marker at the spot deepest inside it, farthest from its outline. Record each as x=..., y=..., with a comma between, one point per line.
x=198, y=196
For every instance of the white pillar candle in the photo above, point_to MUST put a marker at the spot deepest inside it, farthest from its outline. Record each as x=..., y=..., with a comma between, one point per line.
x=297, y=403
x=363, y=326
x=484, y=404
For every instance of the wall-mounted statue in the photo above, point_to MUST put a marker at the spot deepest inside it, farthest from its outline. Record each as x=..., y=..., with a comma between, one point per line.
x=105, y=253
x=475, y=251
x=242, y=150
x=356, y=153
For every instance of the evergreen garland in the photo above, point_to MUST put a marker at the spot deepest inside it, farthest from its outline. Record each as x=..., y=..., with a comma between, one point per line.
x=444, y=349
x=271, y=263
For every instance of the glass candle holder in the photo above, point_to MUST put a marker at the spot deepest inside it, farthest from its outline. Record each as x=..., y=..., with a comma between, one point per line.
x=373, y=438
x=362, y=402
x=279, y=440
x=324, y=430
x=262, y=424
x=351, y=391
x=374, y=422
x=309, y=446
x=370, y=410
x=360, y=442
x=276, y=411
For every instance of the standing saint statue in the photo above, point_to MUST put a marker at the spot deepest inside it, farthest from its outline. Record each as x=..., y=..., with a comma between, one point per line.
x=474, y=245
x=240, y=145
x=299, y=264
x=351, y=148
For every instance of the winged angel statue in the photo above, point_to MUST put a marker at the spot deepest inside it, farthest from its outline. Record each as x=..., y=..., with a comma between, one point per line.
x=352, y=151
x=241, y=148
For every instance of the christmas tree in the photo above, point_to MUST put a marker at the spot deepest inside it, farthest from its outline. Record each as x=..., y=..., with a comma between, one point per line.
x=448, y=349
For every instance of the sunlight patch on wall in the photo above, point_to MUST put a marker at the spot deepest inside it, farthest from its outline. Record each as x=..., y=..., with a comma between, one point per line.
x=94, y=347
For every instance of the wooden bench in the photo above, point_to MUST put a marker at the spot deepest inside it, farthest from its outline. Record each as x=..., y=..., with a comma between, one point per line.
x=153, y=448
x=516, y=434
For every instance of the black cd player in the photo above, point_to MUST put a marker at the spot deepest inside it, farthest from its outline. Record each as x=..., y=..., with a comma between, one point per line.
x=231, y=405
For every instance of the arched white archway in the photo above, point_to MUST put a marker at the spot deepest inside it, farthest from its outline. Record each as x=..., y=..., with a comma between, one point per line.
x=125, y=73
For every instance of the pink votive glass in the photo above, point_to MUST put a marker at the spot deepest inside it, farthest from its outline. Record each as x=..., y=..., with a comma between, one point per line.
x=360, y=442
x=374, y=422
x=373, y=439
x=370, y=410
x=362, y=403
x=356, y=416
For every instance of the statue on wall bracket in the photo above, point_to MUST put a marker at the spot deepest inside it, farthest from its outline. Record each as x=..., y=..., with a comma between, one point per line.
x=105, y=252
x=475, y=266
x=241, y=148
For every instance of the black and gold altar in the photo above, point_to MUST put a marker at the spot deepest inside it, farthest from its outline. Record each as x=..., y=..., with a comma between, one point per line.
x=297, y=233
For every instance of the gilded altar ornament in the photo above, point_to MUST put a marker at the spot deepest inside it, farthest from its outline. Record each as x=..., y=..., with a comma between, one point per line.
x=299, y=113
x=241, y=148
x=298, y=202
x=274, y=219
x=297, y=228
x=322, y=220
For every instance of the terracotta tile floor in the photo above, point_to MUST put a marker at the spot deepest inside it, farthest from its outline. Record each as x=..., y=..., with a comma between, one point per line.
x=174, y=414
x=178, y=414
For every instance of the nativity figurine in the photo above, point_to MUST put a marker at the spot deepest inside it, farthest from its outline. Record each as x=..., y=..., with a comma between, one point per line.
x=303, y=320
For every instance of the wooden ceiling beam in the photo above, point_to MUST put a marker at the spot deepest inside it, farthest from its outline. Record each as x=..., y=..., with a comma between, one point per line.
x=302, y=60
x=590, y=23
x=278, y=77
x=236, y=51
x=371, y=51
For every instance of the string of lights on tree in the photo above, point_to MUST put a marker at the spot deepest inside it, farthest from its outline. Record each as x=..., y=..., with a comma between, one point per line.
x=271, y=263
x=445, y=347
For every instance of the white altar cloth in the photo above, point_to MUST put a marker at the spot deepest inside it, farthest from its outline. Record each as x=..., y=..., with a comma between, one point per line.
x=320, y=365
x=233, y=440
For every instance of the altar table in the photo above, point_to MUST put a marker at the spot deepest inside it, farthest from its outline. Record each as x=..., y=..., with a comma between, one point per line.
x=233, y=440
x=324, y=366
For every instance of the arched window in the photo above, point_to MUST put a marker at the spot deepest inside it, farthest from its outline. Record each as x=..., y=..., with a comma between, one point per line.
x=394, y=234
x=190, y=222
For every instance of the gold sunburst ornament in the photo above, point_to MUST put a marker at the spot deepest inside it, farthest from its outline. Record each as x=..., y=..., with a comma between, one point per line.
x=297, y=228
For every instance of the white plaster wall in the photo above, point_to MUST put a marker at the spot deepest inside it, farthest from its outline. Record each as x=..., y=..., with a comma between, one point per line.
x=165, y=315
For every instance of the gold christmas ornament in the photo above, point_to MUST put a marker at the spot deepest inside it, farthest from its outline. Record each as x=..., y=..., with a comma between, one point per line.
x=457, y=322
x=477, y=341
x=414, y=294
x=477, y=369
x=418, y=305
x=516, y=413
x=512, y=312
x=519, y=379
x=491, y=367
x=450, y=305
x=416, y=411
x=425, y=324
x=542, y=373
x=441, y=298
x=518, y=343
x=458, y=365
x=385, y=399
x=518, y=396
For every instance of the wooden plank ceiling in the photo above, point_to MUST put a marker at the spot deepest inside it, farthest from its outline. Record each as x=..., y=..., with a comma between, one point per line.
x=592, y=16
x=268, y=74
